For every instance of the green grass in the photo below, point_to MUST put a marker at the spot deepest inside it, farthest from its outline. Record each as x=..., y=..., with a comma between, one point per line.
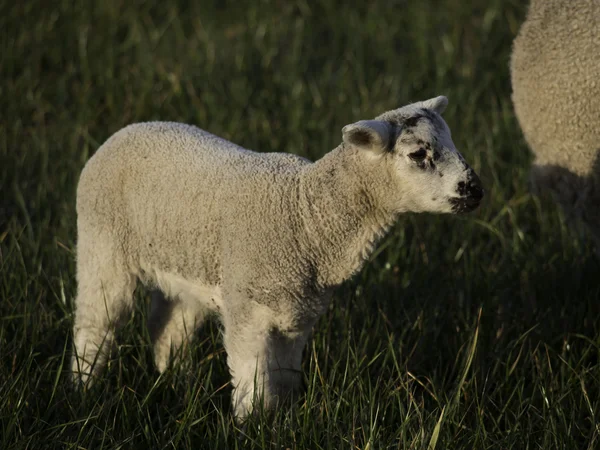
x=471, y=332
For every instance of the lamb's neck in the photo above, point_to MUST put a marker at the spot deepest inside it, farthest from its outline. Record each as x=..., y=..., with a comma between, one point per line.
x=342, y=215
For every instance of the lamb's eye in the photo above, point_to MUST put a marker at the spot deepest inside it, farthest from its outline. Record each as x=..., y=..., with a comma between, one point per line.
x=419, y=155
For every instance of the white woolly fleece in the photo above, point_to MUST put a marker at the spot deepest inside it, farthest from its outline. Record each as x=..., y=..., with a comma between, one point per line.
x=555, y=70
x=259, y=239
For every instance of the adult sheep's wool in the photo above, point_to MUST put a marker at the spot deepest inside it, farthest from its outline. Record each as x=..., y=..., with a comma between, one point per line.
x=257, y=239
x=555, y=70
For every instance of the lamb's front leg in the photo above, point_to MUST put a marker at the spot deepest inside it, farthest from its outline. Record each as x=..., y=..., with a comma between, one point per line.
x=264, y=360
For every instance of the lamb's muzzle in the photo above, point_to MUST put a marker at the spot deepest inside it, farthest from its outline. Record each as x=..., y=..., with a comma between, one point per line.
x=471, y=193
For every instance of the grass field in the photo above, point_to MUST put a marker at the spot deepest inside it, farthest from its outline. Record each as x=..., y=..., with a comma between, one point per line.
x=470, y=332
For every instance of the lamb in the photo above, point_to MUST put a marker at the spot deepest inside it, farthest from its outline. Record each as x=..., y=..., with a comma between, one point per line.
x=555, y=69
x=258, y=239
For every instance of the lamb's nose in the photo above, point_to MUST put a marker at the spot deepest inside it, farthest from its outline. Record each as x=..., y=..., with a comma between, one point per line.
x=474, y=188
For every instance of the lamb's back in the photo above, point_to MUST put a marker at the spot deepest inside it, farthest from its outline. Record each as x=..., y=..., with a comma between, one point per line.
x=168, y=189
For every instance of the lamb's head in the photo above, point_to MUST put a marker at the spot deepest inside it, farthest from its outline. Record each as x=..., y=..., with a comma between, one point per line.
x=413, y=149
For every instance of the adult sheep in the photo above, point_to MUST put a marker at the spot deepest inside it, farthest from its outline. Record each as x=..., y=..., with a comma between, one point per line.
x=555, y=71
x=260, y=239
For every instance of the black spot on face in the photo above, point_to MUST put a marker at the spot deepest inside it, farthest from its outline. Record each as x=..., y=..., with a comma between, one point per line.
x=462, y=188
x=411, y=122
x=436, y=155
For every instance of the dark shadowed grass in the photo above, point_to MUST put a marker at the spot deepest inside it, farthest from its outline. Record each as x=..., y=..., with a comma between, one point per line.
x=471, y=332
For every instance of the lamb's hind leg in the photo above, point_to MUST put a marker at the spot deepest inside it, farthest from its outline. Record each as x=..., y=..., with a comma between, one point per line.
x=172, y=324
x=104, y=298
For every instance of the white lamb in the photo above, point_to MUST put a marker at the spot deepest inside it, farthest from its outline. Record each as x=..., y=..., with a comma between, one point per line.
x=260, y=239
x=555, y=71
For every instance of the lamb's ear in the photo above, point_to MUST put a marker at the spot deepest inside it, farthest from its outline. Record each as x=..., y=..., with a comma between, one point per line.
x=437, y=104
x=373, y=135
